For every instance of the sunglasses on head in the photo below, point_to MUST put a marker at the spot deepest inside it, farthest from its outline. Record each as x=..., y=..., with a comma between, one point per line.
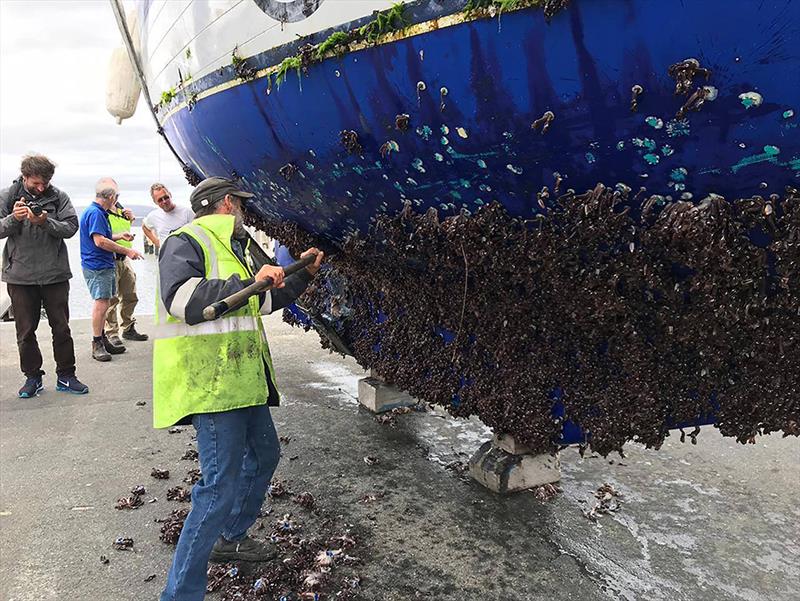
x=164, y=198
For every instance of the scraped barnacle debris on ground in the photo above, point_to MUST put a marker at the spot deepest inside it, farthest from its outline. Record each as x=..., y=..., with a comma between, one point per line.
x=608, y=501
x=193, y=476
x=122, y=543
x=179, y=493
x=277, y=488
x=314, y=565
x=175, y=430
x=131, y=502
x=134, y=500
x=545, y=492
x=172, y=526
x=190, y=455
x=672, y=304
x=159, y=474
x=370, y=460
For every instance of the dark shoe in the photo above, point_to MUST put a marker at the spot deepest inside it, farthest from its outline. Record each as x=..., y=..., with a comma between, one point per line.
x=99, y=351
x=71, y=384
x=132, y=334
x=31, y=388
x=115, y=340
x=114, y=349
x=247, y=549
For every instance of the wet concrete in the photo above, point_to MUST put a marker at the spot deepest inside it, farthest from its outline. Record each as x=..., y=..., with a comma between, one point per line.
x=711, y=521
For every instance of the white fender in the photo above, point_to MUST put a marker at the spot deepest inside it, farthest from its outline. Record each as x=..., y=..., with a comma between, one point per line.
x=122, y=84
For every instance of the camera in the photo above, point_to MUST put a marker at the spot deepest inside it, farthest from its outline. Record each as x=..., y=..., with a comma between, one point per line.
x=31, y=202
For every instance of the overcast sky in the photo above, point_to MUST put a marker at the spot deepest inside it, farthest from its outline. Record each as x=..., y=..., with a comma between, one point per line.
x=53, y=61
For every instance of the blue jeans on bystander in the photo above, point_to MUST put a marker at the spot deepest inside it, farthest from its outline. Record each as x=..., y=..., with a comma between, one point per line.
x=239, y=451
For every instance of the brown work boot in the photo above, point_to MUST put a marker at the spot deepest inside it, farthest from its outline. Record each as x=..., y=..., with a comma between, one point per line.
x=111, y=347
x=132, y=334
x=99, y=351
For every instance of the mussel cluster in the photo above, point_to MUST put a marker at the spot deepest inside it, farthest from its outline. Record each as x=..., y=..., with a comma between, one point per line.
x=637, y=315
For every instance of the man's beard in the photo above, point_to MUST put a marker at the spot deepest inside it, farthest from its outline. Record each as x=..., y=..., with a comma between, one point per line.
x=238, y=225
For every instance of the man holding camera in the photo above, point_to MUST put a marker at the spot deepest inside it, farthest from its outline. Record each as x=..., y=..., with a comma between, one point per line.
x=35, y=218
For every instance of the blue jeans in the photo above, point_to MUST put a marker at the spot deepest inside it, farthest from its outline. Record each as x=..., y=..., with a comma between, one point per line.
x=239, y=451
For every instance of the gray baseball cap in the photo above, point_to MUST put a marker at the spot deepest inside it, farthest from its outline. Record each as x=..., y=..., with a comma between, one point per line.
x=212, y=190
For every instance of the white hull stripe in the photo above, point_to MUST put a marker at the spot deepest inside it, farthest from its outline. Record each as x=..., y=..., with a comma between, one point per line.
x=225, y=325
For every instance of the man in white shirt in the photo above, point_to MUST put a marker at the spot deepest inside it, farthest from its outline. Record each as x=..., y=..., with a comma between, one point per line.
x=167, y=218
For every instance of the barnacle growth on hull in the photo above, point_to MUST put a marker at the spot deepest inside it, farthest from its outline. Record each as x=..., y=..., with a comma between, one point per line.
x=642, y=318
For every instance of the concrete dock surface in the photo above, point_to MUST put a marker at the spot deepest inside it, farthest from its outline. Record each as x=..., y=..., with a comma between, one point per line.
x=712, y=521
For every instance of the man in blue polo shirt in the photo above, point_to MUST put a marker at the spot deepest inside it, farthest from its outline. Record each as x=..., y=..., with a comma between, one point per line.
x=97, y=259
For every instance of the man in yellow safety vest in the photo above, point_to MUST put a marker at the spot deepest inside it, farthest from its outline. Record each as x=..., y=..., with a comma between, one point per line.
x=218, y=376
x=122, y=305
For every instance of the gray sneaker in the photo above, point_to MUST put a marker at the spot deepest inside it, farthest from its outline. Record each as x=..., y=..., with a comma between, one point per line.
x=247, y=549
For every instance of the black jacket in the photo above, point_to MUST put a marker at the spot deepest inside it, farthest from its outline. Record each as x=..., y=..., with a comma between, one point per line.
x=36, y=254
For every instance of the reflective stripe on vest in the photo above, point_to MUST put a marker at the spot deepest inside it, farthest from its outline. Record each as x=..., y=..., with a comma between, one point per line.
x=242, y=323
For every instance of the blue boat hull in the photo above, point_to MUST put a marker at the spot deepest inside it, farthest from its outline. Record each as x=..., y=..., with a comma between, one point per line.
x=472, y=92
x=470, y=139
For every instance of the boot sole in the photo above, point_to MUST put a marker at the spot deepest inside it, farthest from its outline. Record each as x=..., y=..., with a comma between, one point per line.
x=25, y=395
x=69, y=390
x=103, y=359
